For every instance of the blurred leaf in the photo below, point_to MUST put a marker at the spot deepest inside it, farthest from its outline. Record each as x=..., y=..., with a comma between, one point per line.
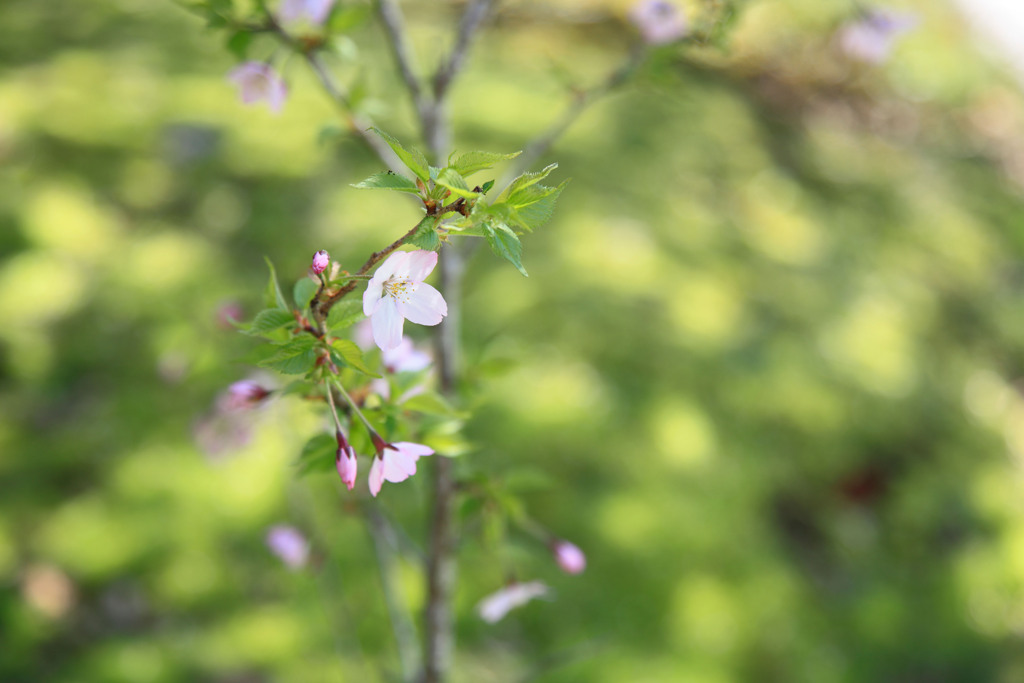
x=328, y=134
x=238, y=43
x=270, y=319
x=352, y=356
x=387, y=180
x=431, y=403
x=473, y=162
x=413, y=159
x=303, y=292
x=346, y=18
x=273, y=295
x=294, y=357
x=318, y=455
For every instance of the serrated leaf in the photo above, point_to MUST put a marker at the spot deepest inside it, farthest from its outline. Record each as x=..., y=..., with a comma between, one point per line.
x=538, y=208
x=505, y=243
x=413, y=159
x=344, y=314
x=452, y=180
x=303, y=292
x=526, y=180
x=318, y=455
x=350, y=355
x=294, y=357
x=387, y=181
x=273, y=295
x=425, y=236
x=473, y=162
x=270, y=319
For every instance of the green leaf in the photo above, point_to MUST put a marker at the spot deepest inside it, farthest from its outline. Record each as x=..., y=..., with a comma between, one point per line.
x=351, y=355
x=487, y=187
x=293, y=357
x=505, y=243
x=425, y=236
x=349, y=17
x=387, y=181
x=270, y=319
x=273, y=295
x=472, y=162
x=303, y=292
x=328, y=135
x=526, y=180
x=431, y=403
x=451, y=179
x=537, y=205
x=238, y=43
x=318, y=455
x=344, y=314
x=413, y=159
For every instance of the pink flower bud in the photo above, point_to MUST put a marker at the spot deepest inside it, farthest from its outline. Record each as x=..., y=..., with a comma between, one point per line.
x=345, y=461
x=242, y=396
x=320, y=261
x=570, y=558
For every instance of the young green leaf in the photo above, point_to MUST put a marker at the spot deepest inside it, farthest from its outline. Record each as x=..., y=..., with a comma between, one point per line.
x=387, y=181
x=303, y=292
x=293, y=357
x=505, y=243
x=273, y=295
x=425, y=236
x=473, y=162
x=270, y=319
x=349, y=354
x=413, y=159
x=526, y=180
x=537, y=203
x=344, y=314
x=451, y=179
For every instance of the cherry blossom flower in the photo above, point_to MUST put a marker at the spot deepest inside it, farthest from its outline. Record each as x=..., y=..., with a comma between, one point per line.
x=569, y=557
x=345, y=461
x=320, y=261
x=495, y=606
x=257, y=82
x=405, y=358
x=289, y=544
x=316, y=11
x=242, y=395
x=660, y=22
x=871, y=38
x=394, y=462
x=396, y=292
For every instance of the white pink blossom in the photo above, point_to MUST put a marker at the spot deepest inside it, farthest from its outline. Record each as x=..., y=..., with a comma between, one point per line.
x=315, y=11
x=871, y=38
x=396, y=292
x=394, y=462
x=242, y=395
x=258, y=82
x=495, y=606
x=659, y=21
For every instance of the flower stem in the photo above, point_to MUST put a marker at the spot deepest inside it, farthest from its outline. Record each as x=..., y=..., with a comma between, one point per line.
x=355, y=409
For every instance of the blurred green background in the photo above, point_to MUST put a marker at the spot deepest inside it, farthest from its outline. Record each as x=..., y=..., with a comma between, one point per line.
x=764, y=372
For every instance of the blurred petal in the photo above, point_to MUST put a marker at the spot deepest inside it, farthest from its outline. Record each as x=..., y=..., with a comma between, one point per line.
x=376, y=479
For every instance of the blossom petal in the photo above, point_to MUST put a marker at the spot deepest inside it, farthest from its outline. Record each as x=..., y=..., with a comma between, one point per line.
x=394, y=264
x=372, y=295
x=376, y=478
x=387, y=324
x=424, y=306
x=420, y=264
x=398, y=466
x=416, y=450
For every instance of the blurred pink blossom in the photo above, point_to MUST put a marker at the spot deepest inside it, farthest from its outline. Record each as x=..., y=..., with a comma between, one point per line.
x=288, y=544
x=257, y=82
x=871, y=38
x=242, y=395
x=405, y=358
x=495, y=606
x=316, y=11
x=659, y=21
x=396, y=292
x=569, y=557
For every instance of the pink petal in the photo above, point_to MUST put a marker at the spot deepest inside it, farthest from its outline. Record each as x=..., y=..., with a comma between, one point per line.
x=372, y=295
x=396, y=263
x=387, y=324
x=424, y=306
x=420, y=264
x=416, y=450
x=398, y=466
x=376, y=478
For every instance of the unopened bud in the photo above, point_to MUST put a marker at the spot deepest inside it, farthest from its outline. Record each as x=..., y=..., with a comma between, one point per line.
x=570, y=558
x=320, y=261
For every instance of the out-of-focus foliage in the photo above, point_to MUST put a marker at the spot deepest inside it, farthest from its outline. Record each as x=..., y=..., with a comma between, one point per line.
x=763, y=371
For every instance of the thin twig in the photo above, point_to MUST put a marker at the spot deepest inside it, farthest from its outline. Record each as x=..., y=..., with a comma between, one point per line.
x=384, y=544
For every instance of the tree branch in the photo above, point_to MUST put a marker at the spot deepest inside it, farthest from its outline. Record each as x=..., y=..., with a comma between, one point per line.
x=394, y=24
x=474, y=15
